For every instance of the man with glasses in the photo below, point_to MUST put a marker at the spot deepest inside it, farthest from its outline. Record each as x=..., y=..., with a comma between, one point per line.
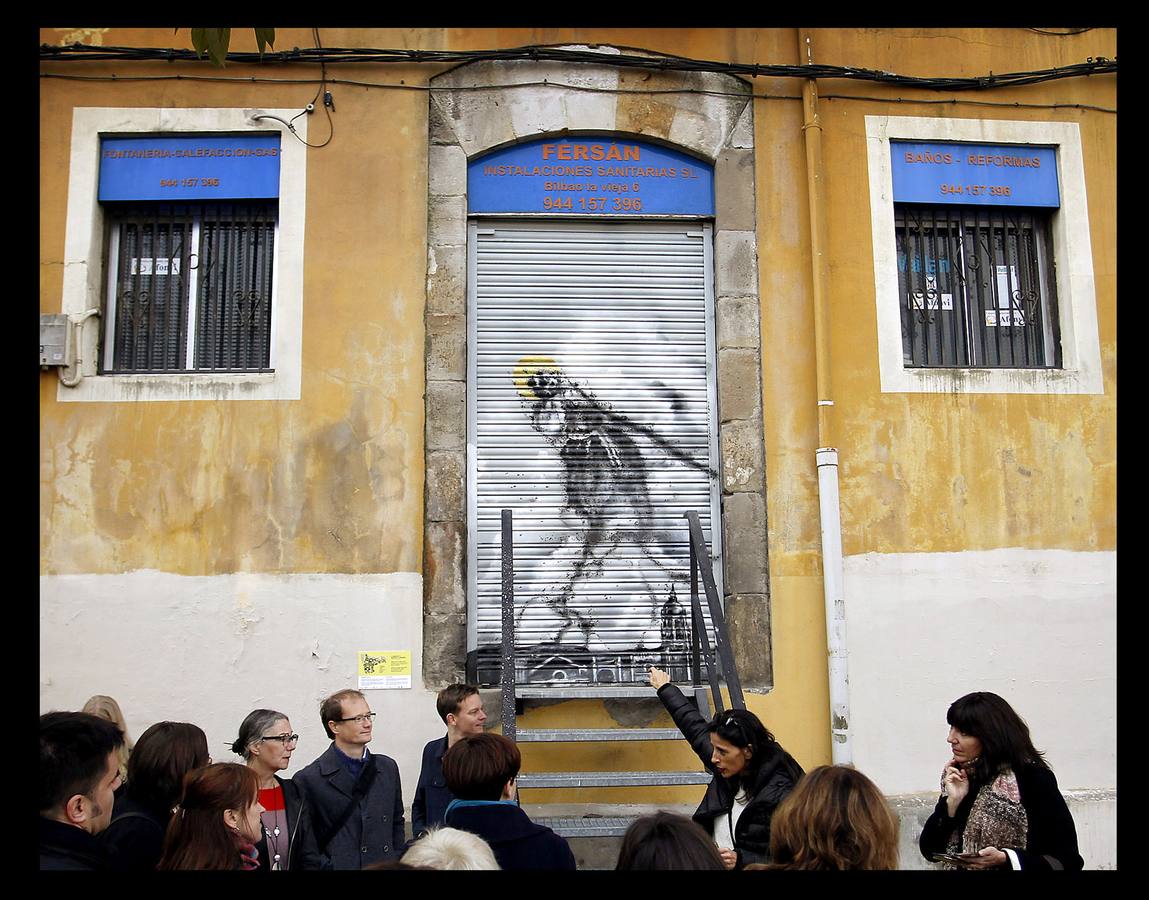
x=79, y=773
x=355, y=796
x=461, y=708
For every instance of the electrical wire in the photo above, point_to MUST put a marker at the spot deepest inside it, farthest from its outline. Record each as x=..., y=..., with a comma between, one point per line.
x=322, y=91
x=569, y=87
x=81, y=52
x=1066, y=33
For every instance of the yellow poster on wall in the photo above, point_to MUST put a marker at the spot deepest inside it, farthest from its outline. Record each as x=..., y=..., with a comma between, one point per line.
x=384, y=669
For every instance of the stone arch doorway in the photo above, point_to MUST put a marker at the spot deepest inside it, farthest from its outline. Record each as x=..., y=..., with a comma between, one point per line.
x=481, y=106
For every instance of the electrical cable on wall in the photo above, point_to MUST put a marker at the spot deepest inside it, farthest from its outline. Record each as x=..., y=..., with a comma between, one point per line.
x=328, y=106
x=1092, y=66
x=377, y=85
x=328, y=102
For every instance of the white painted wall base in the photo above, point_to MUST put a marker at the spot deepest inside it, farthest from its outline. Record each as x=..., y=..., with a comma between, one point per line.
x=210, y=649
x=1038, y=627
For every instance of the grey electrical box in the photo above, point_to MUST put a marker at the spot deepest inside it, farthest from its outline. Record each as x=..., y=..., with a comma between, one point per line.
x=53, y=340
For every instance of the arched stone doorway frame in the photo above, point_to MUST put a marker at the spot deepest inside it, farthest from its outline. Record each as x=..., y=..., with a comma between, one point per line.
x=481, y=106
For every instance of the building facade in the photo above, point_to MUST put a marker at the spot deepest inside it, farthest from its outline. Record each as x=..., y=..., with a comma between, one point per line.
x=864, y=325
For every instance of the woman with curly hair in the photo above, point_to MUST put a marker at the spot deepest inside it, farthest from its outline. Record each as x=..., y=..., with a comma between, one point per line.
x=999, y=806
x=836, y=818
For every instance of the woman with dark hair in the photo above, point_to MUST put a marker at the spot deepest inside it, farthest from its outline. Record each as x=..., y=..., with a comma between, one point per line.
x=752, y=774
x=163, y=755
x=667, y=841
x=1000, y=806
x=480, y=771
x=217, y=822
x=837, y=819
x=266, y=742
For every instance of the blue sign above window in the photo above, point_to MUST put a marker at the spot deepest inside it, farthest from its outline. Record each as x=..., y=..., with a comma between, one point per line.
x=194, y=167
x=980, y=174
x=590, y=176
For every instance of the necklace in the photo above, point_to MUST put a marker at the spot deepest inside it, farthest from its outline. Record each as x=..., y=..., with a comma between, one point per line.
x=272, y=834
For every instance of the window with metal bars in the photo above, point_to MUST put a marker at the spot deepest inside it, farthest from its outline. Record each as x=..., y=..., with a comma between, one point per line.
x=189, y=287
x=976, y=287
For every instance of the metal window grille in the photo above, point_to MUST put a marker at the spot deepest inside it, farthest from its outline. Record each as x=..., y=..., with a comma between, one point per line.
x=190, y=287
x=976, y=288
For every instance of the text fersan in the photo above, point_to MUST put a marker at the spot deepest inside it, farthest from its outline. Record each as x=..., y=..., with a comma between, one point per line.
x=590, y=151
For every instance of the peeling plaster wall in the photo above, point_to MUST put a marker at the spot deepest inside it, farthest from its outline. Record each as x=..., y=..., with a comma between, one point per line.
x=210, y=649
x=1038, y=627
x=255, y=489
x=334, y=482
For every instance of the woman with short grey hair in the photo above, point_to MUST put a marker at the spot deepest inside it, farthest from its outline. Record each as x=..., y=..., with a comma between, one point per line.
x=266, y=743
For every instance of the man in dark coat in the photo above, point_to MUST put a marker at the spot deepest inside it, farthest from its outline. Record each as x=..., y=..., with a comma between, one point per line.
x=481, y=772
x=79, y=774
x=355, y=797
x=460, y=707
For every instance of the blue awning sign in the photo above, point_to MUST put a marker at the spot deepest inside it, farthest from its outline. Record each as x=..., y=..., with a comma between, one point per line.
x=193, y=167
x=977, y=174
x=590, y=176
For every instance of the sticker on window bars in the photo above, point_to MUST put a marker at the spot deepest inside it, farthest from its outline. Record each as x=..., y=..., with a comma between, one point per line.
x=929, y=300
x=1005, y=315
x=160, y=266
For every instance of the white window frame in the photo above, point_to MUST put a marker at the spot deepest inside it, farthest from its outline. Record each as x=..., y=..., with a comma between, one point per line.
x=1080, y=371
x=84, y=277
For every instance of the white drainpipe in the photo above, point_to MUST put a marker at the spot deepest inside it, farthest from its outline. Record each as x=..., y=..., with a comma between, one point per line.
x=826, y=456
x=830, y=518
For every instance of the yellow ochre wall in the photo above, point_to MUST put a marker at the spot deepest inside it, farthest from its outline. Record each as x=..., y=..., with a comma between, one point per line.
x=923, y=472
x=333, y=482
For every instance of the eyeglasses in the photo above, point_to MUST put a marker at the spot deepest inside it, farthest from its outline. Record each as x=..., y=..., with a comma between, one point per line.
x=282, y=738
x=366, y=717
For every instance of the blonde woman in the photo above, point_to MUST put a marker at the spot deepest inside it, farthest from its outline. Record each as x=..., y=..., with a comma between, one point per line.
x=107, y=708
x=449, y=849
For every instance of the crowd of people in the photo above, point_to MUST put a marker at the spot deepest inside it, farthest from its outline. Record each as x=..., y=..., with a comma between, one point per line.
x=163, y=804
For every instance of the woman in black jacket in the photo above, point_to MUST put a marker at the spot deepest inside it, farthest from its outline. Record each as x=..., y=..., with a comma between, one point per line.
x=266, y=742
x=752, y=774
x=999, y=806
x=164, y=754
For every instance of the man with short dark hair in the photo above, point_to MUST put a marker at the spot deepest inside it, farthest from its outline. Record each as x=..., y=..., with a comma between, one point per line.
x=79, y=773
x=460, y=707
x=355, y=796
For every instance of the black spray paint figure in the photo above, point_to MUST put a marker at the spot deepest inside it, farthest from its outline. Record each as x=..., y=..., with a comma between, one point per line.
x=605, y=497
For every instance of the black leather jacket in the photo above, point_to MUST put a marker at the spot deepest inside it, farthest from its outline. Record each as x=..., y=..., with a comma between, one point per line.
x=775, y=778
x=301, y=850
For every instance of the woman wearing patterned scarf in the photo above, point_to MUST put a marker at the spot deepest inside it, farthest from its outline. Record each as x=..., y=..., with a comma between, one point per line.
x=1000, y=806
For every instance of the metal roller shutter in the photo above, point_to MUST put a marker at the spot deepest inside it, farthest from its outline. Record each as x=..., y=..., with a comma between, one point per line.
x=590, y=415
